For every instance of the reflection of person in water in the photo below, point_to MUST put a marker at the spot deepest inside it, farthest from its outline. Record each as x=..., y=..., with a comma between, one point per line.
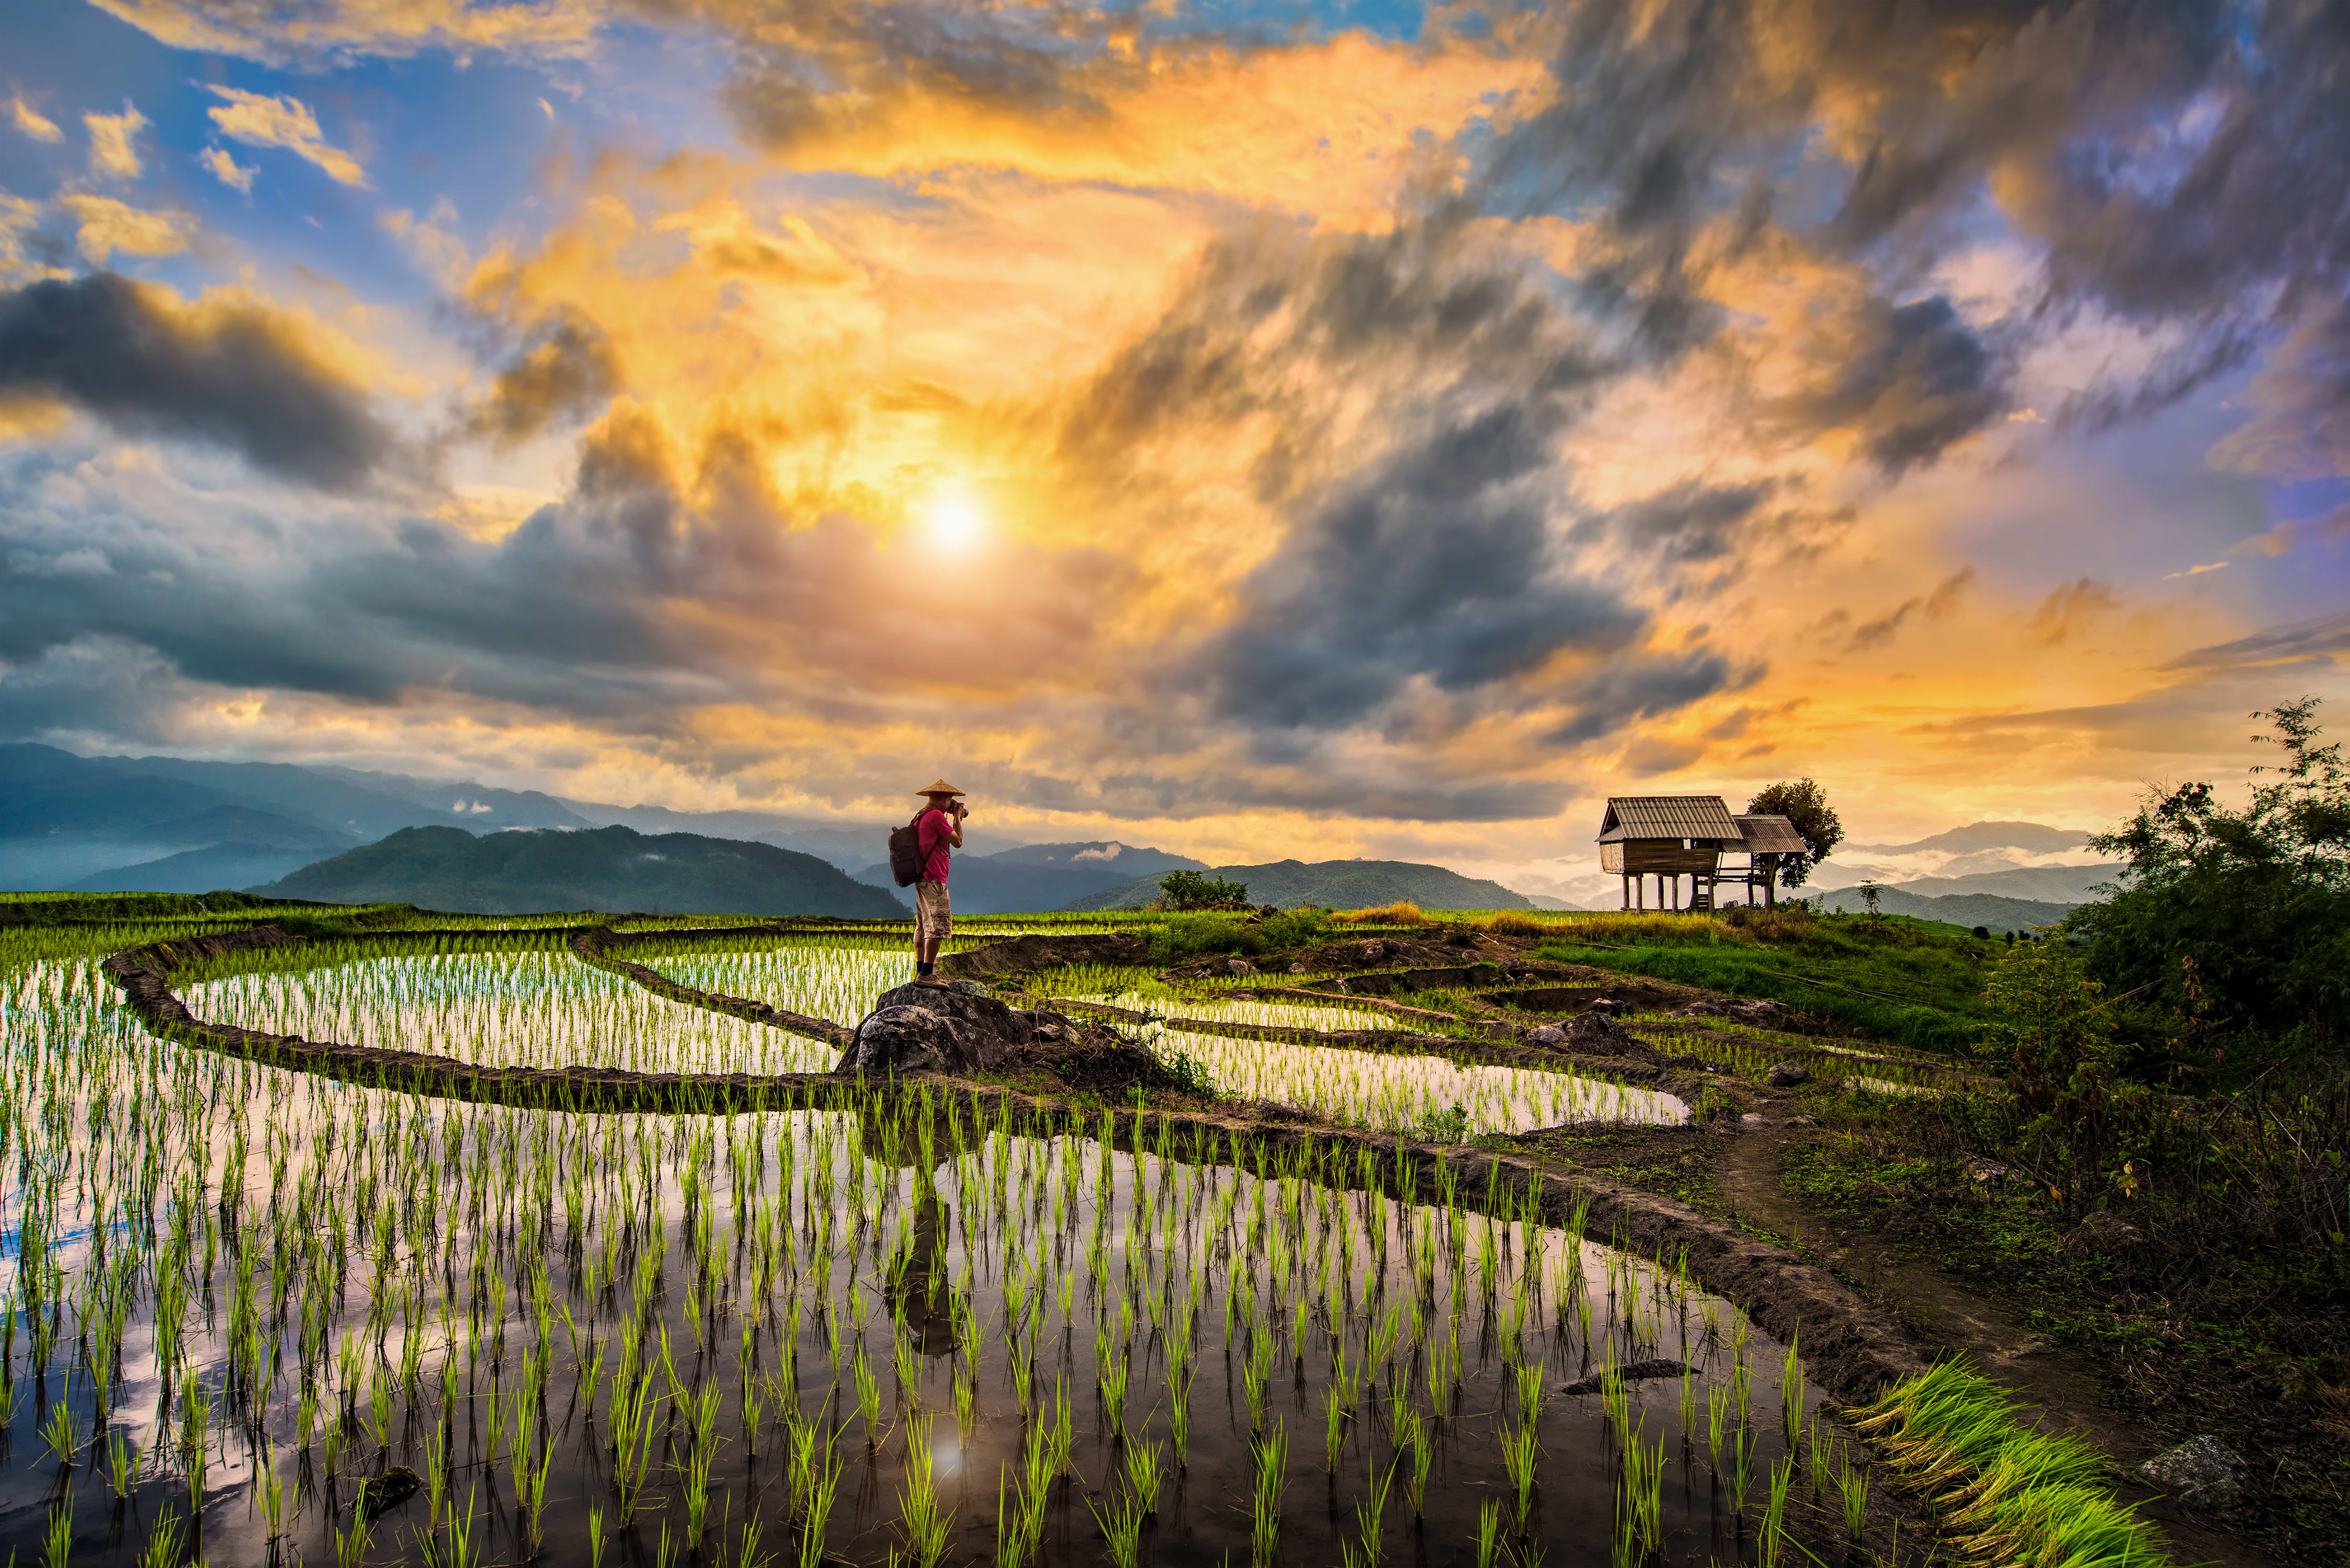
x=915, y=1284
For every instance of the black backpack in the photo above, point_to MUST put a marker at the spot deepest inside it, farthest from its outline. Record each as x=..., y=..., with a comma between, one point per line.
x=906, y=850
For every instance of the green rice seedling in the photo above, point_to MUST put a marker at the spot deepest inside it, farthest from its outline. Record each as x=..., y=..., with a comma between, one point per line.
x=1334, y=1425
x=1489, y=1532
x=57, y=1541
x=1370, y=1515
x=816, y=1510
x=61, y=1433
x=1774, y=1512
x=1741, y=1468
x=273, y=1495
x=163, y=1548
x=1412, y=1434
x=1519, y=1451
x=921, y=1520
x=1121, y=1527
x=1143, y=1466
x=119, y=1461
x=1256, y=1372
x=1264, y=1506
x=868, y=1396
x=1112, y=1379
x=1791, y=1387
x=1852, y=1491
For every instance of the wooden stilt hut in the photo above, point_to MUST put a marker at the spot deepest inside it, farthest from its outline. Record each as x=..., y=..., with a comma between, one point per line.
x=1668, y=837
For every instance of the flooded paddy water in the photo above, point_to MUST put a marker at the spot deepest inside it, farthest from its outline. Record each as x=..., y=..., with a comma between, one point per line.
x=890, y=1326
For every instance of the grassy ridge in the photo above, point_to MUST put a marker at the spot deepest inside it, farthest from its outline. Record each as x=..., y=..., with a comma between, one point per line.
x=1909, y=982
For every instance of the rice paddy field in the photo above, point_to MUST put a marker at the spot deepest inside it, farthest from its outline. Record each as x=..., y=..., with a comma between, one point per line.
x=255, y=1316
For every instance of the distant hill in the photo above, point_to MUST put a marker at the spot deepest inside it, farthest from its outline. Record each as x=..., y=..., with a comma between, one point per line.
x=609, y=869
x=1127, y=861
x=1996, y=914
x=66, y=820
x=1033, y=878
x=206, y=870
x=2031, y=837
x=2045, y=883
x=1337, y=884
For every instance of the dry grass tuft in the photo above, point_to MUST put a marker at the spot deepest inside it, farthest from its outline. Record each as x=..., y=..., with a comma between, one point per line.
x=1406, y=913
x=1517, y=925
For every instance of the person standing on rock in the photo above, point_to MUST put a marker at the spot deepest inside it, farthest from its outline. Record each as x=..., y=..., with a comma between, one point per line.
x=941, y=830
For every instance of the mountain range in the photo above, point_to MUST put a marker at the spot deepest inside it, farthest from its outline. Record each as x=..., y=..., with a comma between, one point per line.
x=172, y=824
x=1334, y=884
x=613, y=870
x=1036, y=876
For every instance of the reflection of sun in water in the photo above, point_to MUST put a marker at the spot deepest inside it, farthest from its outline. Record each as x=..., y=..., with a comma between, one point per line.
x=956, y=523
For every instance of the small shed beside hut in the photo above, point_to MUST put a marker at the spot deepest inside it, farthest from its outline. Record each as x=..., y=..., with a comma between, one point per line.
x=1669, y=837
x=1767, y=839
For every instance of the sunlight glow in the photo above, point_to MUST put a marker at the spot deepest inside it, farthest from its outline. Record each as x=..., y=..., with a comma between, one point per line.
x=956, y=523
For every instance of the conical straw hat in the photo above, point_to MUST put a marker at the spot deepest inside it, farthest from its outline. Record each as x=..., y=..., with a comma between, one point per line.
x=940, y=787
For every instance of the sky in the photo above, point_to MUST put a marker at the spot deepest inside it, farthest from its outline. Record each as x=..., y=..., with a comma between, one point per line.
x=1258, y=430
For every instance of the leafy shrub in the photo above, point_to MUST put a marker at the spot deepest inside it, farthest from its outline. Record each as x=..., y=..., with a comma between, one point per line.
x=1191, y=1074
x=1198, y=890
x=1441, y=1126
x=2234, y=929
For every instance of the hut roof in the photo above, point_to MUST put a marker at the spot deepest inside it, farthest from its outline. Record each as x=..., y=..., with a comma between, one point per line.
x=1701, y=817
x=1771, y=835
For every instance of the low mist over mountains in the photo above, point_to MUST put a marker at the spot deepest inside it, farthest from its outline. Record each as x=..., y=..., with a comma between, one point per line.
x=614, y=871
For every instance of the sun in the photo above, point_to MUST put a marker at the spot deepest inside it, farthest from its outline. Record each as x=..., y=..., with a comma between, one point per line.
x=956, y=523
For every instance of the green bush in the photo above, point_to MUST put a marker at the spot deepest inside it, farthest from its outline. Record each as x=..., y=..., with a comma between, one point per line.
x=1198, y=890
x=1190, y=935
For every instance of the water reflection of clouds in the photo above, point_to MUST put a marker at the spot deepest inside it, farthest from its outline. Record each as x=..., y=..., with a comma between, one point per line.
x=1386, y=1091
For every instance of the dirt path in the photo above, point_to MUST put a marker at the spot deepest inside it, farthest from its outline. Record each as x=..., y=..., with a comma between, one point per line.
x=1941, y=1314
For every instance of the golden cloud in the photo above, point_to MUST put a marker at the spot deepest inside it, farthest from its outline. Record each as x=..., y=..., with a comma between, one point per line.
x=258, y=120
x=107, y=226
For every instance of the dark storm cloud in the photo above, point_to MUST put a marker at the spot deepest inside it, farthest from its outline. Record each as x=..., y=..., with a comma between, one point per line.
x=1438, y=566
x=563, y=369
x=1687, y=524
x=2300, y=428
x=2324, y=637
x=233, y=376
x=1916, y=380
x=1646, y=686
x=2182, y=164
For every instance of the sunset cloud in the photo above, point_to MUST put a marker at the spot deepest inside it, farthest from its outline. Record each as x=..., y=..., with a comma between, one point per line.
x=32, y=122
x=113, y=142
x=260, y=120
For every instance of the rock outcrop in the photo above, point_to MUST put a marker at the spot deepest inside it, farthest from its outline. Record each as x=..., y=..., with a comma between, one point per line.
x=953, y=1026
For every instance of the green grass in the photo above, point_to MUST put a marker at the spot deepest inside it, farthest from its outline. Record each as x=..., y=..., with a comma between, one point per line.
x=1910, y=982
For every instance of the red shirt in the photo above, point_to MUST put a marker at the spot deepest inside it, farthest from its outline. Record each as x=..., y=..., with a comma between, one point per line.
x=936, y=828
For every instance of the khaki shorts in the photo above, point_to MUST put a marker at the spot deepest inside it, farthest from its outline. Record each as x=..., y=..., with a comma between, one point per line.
x=933, y=919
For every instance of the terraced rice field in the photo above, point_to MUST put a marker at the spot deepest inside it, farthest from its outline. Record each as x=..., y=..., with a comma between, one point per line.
x=254, y=1315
